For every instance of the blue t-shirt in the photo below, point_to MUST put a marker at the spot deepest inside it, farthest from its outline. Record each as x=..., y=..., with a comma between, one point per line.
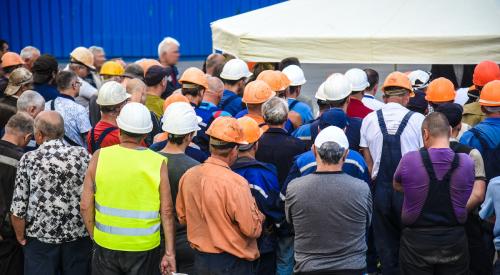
x=48, y=92
x=302, y=109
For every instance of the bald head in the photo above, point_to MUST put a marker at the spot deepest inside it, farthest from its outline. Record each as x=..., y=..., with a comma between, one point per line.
x=215, y=90
x=49, y=125
x=437, y=125
x=213, y=61
x=137, y=89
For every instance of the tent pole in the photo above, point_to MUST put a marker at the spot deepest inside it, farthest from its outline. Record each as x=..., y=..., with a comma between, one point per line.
x=395, y=67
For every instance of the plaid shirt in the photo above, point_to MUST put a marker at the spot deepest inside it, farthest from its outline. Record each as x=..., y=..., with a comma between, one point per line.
x=47, y=192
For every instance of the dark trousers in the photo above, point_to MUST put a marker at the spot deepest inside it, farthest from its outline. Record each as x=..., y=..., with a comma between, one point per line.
x=71, y=258
x=480, y=256
x=11, y=257
x=496, y=269
x=335, y=272
x=110, y=262
x=267, y=264
x=434, y=251
x=386, y=227
x=221, y=264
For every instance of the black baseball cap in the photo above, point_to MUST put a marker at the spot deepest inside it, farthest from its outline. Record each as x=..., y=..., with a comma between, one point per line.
x=452, y=111
x=155, y=75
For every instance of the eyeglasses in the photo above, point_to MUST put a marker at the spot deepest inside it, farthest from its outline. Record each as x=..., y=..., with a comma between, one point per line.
x=77, y=83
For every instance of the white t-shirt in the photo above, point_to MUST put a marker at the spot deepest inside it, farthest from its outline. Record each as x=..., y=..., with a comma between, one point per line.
x=372, y=103
x=372, y=138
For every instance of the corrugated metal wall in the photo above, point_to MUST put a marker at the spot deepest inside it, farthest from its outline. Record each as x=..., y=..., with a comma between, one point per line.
x=125, y=28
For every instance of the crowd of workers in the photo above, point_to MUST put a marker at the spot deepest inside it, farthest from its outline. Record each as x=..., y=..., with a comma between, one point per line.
x=115, y=168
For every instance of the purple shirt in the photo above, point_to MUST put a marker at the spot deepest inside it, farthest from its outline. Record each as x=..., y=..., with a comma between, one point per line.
x=413, y=177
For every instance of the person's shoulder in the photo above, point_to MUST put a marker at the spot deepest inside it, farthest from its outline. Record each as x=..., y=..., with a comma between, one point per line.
x=354, y=183
x=77, y=151
x=410, y=157
x=465, y=160
x=300, y=182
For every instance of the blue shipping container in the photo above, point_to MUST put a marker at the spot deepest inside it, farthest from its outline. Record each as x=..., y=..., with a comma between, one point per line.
x=126, y=28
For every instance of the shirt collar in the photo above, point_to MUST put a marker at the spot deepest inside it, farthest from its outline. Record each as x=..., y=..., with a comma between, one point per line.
x=11, y=145
x=66, y=96
x=52, y=142
x=369, y=96
x=277, y=131
x=393, y=105
x=215, y=161
x=208, y=104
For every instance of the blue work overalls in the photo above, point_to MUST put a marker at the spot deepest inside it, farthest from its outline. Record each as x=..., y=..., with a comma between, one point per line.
x=387, y=202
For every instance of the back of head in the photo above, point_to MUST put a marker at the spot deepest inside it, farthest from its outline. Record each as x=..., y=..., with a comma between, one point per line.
x=373, y=78
x=29, y=52
x=20, y=124
x=30, y=99
x=215, y=85
x=50, y=124
x=134, y=70
x=154, y=75
x=287, y=62
x=44, y=68
x=135, y=85
x=275, y=111
x=64, y=80
x=212, y=61
x=437, y=125
x=331, y=144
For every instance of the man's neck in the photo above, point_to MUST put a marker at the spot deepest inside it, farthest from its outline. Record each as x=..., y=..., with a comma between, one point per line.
x=280, y=126
x=68, y=93
x=12, y=139
x=173, y=148
x=109, y=118
x=247, y=154
x=154, y=91
x=321, y=167
x=440, y=143
x=358, y=95
x=221, y=158
x=233, y=89
x=211, y=99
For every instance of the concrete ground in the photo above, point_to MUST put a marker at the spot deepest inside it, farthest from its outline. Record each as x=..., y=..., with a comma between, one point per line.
x=317, y=73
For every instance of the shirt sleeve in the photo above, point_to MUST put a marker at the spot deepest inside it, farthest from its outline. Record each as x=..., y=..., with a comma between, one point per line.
x=363, y=132
x=487, y=208
x=398, y=175
x=84, y=121
x=86, y=90
x=478, y=164
x=20, y=197
x=244, y=210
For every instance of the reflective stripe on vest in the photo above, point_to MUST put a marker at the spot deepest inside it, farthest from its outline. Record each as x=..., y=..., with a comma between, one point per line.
x=127, y=199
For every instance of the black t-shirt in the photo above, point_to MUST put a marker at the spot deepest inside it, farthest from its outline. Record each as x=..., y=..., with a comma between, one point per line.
x=8, y=108
x=177, y=165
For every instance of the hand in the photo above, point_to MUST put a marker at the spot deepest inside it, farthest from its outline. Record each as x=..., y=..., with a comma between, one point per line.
x=167, y=265
x=21, y=240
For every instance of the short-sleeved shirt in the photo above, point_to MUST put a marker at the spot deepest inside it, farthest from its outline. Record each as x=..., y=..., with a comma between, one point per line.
x=413, y=177
x=490, y=132
x=177, y=165
x=76, y=118
x=155, y=104
x=230, y=103
x=48, y=188
x=356, y=108
x=302, y=109
x=219, y=210
x=111, y=138
x=372, y=138
x=371, y=102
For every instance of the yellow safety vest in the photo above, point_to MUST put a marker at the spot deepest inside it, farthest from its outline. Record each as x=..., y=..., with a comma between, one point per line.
x=127, y=199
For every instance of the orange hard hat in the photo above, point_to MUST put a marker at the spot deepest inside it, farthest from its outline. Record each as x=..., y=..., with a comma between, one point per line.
x=174, y=98
x=277, y=80
x=257, y=92
x=147, y=63
x=490, y=95
x=226, y=129
x=251, y=129
x=195, y=76
x=398, y=79
x=440, y=90
x=485, y=72
x=11, y=59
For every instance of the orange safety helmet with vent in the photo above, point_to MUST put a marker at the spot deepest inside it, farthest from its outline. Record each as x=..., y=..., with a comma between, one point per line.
x=398, y=79
x=277, y=80
x=485, y=72
x=490, y=95
x=195, y=76
x=440, y=90
x=11, y=59
x=174, y=98
x=257, y=92
x=226, y=129
x=251, y=129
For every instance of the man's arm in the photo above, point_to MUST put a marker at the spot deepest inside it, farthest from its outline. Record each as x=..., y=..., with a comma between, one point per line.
x=398, y=176
x=87, y=207
x=19, y=225
x=477, y=195
x=245, y=212
x=167, y=220
x=20, y=200
x=179, y=203
x=368, y=159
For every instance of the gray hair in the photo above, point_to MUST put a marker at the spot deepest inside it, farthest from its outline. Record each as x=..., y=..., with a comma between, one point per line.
x=20, y=124
x=166, y=43
x=29, y=99
x=28, y=51
x=50, y=124
x=330, y=152
x=275, y=111
x=96, y=49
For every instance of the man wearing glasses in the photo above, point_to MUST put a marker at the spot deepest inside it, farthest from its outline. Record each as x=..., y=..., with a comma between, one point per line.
x=76, y=117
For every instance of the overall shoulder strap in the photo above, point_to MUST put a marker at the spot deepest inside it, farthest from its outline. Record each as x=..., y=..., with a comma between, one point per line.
x=381, y=122
x=52, y=105
x=454, y=165
x=103, y=135
x=404, y=122
x=428, y=164
x=92, y=141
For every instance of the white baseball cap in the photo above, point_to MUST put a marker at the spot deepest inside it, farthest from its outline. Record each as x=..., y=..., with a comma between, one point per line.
x=295, y=74
x=235, y=69
x=358, y=78
x=419, y=79
x=332, y=134
x=180, y=119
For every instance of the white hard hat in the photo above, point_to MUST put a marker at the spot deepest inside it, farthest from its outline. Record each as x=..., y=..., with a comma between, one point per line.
x=180, y=119
x=111, y=93
x=295, y=74
x=332, y=134
x=358, y=78
x=135, y=118
x=419, y=79
x=235, y=69
x=320, y=93
x=337, y=87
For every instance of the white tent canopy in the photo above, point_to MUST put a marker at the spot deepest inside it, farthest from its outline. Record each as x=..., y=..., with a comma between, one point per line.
x=365, y=31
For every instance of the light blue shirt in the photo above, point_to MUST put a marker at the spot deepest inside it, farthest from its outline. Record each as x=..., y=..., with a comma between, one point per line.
x=491, y=206
x=302, y=109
